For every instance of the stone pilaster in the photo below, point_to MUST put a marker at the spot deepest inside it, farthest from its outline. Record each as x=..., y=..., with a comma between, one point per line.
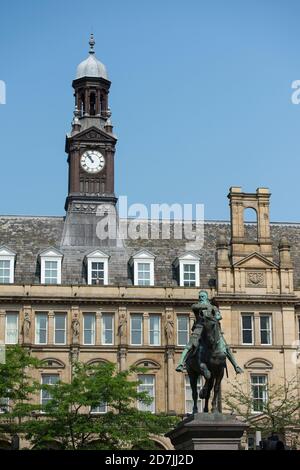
x=98, y=326
x=122, y=330
x=122, y=356
x=170, y=353
x=146, y=329
x=2, y=326
x=50, y=327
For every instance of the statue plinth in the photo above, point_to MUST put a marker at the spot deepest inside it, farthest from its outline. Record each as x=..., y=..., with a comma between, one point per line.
x=208, y=431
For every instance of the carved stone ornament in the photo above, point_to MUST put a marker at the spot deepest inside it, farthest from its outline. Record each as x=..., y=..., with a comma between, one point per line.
x=255, y=279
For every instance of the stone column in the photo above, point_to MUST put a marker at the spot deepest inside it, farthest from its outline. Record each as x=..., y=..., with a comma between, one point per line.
x=50, y=339
x=145, y=329
x=256, y=326
x=170, y=386
x=122, y=355
x=98, y=326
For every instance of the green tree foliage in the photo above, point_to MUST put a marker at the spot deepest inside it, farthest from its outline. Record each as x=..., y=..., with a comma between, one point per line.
x=69, y=419
x=16, y=388
x=278, y=412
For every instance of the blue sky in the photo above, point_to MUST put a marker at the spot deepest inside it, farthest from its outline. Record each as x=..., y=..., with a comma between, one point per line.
x=200, y=96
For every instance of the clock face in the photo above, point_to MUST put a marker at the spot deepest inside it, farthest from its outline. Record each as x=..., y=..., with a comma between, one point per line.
x=92, y=161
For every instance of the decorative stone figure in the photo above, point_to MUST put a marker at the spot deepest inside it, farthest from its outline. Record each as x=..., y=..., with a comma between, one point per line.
x=75, y=330
x=122, y=324
x=26, y=328
x=169, y=327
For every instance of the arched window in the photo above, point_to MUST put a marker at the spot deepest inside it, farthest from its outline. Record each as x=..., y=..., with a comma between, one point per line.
x=250, y=224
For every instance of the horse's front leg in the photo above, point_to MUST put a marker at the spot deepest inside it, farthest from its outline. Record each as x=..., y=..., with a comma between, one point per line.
x=208, y=386
x=215, y=402
x=193, y=383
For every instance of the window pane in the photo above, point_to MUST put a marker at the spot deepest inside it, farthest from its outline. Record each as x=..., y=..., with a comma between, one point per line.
x=60, y=328
x=4, y=271
x=102, y=408
x=97, y=274
x=41, y=327
x=107, y=328
x=259, y=391
x=136, y=329
x=265, y=329
x=12, y=333
x=49, y=379
x=51, y=268
x=147, y=385
x=182, y=329
x=144, y=274
x=247, y=329
x=89, y=328
x=154, y=331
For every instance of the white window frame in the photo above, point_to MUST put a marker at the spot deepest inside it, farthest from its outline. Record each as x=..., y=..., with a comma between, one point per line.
x=251, y=389
x=152, y=406
x=4, y=404
x=65, y=329
x=142, y=257
x=8, y=255
x=188, y=258
x=152, y=315
x=41, y=393
x=268, y=315
x=35, y=326
x=99, y=412
x=7, y=314
x=188, y=390
x=188, y=328
x=51, y=255
x=102, y=328
x=247, y=314
x=142, y=328
x=93, y=329
x=97, y=257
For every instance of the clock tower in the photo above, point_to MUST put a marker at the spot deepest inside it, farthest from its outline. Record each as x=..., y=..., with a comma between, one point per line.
x=91, y=144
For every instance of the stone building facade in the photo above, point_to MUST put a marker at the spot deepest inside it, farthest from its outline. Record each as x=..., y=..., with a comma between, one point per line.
x=67, y=294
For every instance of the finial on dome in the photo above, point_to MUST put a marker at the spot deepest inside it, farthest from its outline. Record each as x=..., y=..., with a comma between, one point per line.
x=92, y=43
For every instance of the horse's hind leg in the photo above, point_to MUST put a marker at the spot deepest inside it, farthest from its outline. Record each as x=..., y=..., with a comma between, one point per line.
x=208, y=386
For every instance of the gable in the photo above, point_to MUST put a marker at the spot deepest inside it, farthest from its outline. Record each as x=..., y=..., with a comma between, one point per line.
x=51, y=252
x=4, y=251
x=93, y=134
x=255, y=260
x=96, y=254
x=143, y=254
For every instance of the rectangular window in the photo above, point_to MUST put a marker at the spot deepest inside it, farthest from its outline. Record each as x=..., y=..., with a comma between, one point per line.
x=182, y=330
x=12, y=328
x=48, y=379
x=136, y=329
x=97, y=273
x=51, y=272
x=89, y=321
x=100, y=409
x=154, y=330
x=147, y=385
x=60, y=328
x=143, y=274
x=107, y=328
x=259, y=392
x=5, y=271
x=41, y=328
x=4, y=405
x=265, y=329
x=189, y=275
x=247, y=328
x=189, y=403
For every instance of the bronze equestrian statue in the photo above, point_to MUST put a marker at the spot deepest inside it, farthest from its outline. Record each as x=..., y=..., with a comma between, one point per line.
x=206, y=353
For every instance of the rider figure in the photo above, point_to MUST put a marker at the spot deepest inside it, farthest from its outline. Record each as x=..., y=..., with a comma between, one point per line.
x=204, y=309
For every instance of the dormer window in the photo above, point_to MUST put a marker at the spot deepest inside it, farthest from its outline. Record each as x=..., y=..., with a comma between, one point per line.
x=7, y=265
x=188, y=266
x=143, y=268
x=51, y=261
x=97, y=268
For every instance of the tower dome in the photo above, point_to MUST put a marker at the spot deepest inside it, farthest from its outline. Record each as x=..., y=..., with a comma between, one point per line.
x=91, y=67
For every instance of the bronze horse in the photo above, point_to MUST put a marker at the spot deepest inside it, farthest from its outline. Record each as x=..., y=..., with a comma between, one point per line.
x=208, y=351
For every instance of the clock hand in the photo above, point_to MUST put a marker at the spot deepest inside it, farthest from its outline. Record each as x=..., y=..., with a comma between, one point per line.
x=91, y=158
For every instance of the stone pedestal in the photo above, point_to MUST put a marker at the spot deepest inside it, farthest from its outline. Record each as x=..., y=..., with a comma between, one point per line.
x=208, y=431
